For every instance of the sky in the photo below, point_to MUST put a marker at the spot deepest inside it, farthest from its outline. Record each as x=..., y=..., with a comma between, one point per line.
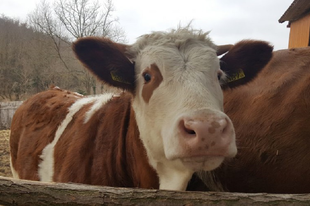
x=228, y=21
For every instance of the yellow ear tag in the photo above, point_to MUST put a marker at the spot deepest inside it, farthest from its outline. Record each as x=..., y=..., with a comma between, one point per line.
x=117, y=78
x=234, y=77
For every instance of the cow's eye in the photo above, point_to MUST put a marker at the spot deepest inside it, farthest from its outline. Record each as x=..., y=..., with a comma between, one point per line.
x=147, y=77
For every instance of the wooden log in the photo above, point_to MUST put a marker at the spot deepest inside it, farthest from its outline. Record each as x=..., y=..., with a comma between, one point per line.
x=24, y=192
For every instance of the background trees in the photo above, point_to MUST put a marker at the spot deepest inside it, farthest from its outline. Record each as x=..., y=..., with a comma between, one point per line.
x=37, y=54
x=15, y=71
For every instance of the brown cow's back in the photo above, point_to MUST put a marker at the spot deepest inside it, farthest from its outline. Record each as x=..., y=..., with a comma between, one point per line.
x=100, y=151
x=271, y=117
x=34, y=125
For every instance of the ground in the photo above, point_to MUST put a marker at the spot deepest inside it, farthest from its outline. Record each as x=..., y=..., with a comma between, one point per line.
x=5, y=154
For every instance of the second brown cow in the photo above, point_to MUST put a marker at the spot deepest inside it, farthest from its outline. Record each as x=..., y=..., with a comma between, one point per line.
x=271, y=115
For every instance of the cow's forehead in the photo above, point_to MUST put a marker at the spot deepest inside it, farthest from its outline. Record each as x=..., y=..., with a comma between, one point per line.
x=173, y=50
x=180, y=39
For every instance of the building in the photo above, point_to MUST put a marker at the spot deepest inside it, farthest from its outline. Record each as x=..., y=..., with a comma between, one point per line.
x=298, y=17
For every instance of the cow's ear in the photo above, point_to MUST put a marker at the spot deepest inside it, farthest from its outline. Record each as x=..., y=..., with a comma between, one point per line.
x=107, y=60
x=244, y=61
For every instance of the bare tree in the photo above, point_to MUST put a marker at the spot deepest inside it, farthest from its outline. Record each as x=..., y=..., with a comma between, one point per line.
x=42, y=20
x=67, y=20
x=83, y=18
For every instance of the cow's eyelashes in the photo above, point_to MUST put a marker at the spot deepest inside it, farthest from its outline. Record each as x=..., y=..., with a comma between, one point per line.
x=147, y=77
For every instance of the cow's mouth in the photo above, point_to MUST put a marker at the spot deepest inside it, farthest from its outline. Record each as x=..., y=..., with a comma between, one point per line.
x=206, y=163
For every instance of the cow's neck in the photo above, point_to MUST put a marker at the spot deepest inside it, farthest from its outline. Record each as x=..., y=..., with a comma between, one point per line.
x=143, y=174
x=172, y=174
x=137, y=165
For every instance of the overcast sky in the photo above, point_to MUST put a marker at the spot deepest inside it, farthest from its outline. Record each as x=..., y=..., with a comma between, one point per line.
x=228, y=20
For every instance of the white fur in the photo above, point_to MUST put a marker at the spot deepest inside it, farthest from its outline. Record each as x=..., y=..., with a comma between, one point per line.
x=78, y=94
x=46, y=166
x=14, y=172
x=188, y=63
x=96, y=106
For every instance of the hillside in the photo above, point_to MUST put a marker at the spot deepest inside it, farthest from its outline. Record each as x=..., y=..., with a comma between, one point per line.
x=30, y=62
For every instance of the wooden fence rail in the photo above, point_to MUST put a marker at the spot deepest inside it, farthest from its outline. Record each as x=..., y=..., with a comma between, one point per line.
x=23, y=192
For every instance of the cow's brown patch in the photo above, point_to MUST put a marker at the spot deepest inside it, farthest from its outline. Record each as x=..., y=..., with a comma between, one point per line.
x=271, y=114
x=149, y=87
x=211, y=130
x=106, y=150
x=34, y=126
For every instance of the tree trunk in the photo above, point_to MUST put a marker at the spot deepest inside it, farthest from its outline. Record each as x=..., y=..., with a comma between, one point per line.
x=23, y=192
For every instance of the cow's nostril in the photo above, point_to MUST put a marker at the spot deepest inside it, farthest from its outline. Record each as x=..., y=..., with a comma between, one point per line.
x=189, y=131
x=186, y=126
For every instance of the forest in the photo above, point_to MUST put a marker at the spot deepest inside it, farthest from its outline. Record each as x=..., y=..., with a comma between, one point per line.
x=37, y=54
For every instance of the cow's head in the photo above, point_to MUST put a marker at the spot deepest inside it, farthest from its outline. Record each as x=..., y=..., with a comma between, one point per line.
x=177, y=98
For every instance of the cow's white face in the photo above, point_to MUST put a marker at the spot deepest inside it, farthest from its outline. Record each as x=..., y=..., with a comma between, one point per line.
x=177, y=98
x=178, y=102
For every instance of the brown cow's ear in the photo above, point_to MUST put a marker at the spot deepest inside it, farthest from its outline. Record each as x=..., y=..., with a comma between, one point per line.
x=244, y=61
x=107, y=60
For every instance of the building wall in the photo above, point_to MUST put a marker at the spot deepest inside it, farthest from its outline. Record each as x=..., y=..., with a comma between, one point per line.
x=299, y=32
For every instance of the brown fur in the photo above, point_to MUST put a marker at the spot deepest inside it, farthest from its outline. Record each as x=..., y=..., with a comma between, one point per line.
x=271, y=116
x=249, y=56
x=31, y=131
x=107, y=61
x=104, y=151
x=149, y=87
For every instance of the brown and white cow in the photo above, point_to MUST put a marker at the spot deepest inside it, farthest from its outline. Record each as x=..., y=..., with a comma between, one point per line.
x=168, y=124
x=271, y=116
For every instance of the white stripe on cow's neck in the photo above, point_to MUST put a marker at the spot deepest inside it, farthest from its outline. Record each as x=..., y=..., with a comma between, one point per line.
x=96, y=106
x=46, y=167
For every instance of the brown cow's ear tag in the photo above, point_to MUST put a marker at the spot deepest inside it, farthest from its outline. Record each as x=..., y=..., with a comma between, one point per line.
x=236, y=76
x=118, y=78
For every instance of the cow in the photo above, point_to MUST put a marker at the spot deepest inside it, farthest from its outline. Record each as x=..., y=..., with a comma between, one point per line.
x=167, y=124
x=271, y=118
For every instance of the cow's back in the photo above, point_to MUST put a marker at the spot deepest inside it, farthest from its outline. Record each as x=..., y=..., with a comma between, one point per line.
x=271, y=117
x=33, y=127
x=60, y=136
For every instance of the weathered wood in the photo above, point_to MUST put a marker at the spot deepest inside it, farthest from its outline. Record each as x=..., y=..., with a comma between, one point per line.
x=23, y=192
x=7, y=110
